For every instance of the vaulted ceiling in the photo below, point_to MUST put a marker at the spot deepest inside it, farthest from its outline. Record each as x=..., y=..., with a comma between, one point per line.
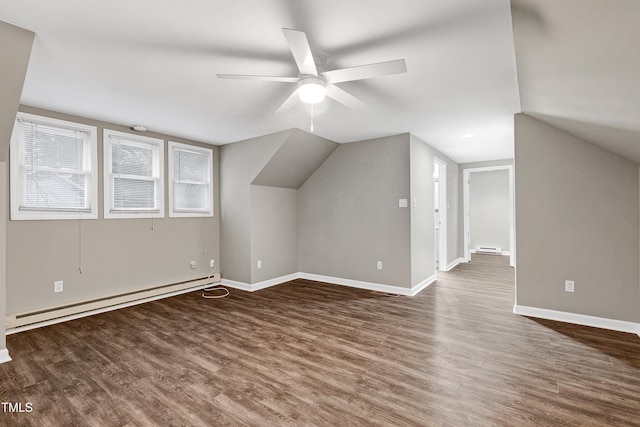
x=155, y=63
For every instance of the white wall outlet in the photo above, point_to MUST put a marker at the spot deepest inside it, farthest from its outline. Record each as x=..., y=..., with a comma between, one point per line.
x=259, y=264
x=58, y=286
x=569, y=285
x=212, y=263
x=415, y=203
x=402, y=203
x=193, y=265
x=379, y=265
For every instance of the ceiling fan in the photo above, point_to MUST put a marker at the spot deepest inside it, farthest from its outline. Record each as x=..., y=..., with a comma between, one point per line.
x=312, y=86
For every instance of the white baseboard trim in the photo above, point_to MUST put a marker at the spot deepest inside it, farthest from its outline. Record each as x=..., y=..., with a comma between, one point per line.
x=252, y=287
x=370, y=285
x=333, y=280
x=578, y=319
x=420, y=286
x=455, y=263
x=236, y=285
x=4, y=356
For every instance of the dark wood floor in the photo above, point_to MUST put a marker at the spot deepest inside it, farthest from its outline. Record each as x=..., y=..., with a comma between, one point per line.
x=306, y=353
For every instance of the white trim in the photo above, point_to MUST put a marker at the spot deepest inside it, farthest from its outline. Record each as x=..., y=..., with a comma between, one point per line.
x=444, y=212
x=4, y=356
x=455, y=263
x=252, y=287
x=158, y=174
x=236, y=285
x=331, y=280
x=578, y=319
x=465, y=211
x=16, y=323
x=195, y=149
x=390, y=289
x=415, y=290
x=15, y=182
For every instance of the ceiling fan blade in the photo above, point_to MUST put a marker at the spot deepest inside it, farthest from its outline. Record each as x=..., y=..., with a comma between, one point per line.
x=289, y=102
x=301, y=51
x=261, y=78
x=344, y=98
x=378, y=69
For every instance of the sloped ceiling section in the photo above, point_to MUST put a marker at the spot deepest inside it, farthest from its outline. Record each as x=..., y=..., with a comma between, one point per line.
x=578, y=64
x=14, y=53
x=155, y=62
x=295, y=161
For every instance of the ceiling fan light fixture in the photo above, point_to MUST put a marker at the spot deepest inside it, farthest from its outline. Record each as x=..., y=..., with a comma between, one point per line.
x=312, y=90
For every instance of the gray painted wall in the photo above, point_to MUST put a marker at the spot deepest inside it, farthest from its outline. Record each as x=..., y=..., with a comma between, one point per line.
x=577, y=218
x=489, y=209
x=119, y=255
x=348, y=217
x=15, y=51
x=259, y=222
x=4, y=208
x=240, y=163
x=274, y=232
x=454, y=200
x=422, y=215
x=454, y=210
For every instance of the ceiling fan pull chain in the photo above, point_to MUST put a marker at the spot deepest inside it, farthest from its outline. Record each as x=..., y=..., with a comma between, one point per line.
x=311, y=117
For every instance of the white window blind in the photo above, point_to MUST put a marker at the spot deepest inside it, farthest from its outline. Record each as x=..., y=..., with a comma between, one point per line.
x=191, y=191
x=53, y=169
x=133, y=168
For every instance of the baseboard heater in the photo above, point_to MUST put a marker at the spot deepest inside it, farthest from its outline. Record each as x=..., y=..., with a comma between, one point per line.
x=488, y=249
x=34, y=319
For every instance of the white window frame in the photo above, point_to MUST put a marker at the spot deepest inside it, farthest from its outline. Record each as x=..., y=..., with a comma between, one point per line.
x=158, y=175
x=91, y=177
x=175, y=213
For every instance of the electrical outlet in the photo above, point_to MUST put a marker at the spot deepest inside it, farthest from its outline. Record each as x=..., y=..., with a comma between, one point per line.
x=402, y=203
x=212, y=263
x=259, y=264
x=379, y=265
x=569, y=285
x=193, y=265
x=58, y=286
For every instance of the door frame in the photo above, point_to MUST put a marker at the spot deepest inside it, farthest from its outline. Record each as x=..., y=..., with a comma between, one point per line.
x=465, y=197
x=442, y=236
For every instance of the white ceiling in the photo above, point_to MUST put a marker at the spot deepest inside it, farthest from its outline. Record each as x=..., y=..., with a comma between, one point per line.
x=154, y=62
x=579, y=68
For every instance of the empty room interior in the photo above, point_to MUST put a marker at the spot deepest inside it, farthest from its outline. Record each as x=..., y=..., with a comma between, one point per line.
x=283, y=212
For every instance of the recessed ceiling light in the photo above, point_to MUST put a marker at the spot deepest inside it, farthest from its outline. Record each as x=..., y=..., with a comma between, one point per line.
x=467, y=135
x=139, y=128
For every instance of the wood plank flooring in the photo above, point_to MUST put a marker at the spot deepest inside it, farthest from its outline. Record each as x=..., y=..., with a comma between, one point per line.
x=307, y=353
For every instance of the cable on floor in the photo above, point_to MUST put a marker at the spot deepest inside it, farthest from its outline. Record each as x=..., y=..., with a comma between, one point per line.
x=213, y=287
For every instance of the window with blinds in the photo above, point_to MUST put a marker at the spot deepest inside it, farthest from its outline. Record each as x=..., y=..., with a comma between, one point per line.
x=191, y=189
x=133, y=176
x=53, y=169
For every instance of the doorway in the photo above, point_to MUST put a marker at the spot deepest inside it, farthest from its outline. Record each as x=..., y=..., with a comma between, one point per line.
x=507, y=195
x=440, y=213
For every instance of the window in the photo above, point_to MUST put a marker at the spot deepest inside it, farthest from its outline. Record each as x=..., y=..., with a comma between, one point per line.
x=133, y=176
x=190, y=185
x=53, y=169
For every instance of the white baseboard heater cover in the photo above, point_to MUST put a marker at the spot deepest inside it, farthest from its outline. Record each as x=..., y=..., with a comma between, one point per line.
x=489, y=249
x=32, y=319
